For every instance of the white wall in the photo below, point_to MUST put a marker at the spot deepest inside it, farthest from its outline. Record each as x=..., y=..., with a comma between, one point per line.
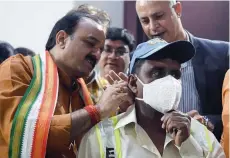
x=29, y=23
x=115, y=9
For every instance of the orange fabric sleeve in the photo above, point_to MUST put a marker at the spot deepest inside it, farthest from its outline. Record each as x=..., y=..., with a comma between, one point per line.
x=59, y=133
x=225, y=114
x=15, y=76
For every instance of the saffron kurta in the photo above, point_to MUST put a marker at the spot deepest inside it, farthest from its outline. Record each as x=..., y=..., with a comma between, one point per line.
x=15, y=76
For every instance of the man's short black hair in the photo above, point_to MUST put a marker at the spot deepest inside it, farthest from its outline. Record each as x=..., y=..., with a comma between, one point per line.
x=6, y=50
x=115, y=33
x=24, y=51
x=68, y=23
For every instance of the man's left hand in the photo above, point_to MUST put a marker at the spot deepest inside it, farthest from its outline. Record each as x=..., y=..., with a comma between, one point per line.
x=178, y=125
x=195, y=115
x=112, y=77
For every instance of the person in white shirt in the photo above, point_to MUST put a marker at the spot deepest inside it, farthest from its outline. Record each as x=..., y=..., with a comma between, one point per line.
x=152, y=127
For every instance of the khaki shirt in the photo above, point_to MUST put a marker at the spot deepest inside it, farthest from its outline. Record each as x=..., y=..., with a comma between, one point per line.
x=135, y=142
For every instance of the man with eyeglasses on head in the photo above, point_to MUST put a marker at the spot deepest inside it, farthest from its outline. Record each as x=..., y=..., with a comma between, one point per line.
x=119, y=44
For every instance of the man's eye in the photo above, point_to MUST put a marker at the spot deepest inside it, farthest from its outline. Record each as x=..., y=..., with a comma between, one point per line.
x=145, y=21
x=159, y=16
x=90, y=43
x=108, y=50
x=101, y=49
x=156, y=73
x=121, y=52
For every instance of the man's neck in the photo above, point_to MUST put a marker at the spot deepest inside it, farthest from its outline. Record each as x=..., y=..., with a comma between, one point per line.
x=147, y=117
x=150, y=121
x=182, y=35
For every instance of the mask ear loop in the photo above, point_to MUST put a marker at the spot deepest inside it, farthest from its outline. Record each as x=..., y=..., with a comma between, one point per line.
x=139, y=80
x=141, y=99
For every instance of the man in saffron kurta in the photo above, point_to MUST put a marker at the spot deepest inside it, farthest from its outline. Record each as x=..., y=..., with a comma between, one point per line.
x=74, y=51
x=16, y=74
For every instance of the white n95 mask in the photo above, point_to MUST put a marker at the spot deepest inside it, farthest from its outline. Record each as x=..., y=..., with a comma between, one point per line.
x=162, y=94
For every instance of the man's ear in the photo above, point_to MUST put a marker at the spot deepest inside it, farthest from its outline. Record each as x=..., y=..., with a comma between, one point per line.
x=178, y=9
x=61, y=39
x=132, y=83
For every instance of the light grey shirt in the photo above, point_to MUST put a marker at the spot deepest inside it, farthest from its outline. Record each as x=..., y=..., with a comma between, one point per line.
x=190, y=97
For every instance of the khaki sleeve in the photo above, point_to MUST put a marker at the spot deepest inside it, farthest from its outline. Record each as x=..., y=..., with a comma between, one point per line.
x=225, y=114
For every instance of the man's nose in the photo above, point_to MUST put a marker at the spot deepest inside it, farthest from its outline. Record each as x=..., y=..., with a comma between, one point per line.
x=154, y=25
x=112, y=54
x=97, y=53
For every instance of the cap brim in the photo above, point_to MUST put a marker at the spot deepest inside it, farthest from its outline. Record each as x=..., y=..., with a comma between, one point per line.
x=180, y=51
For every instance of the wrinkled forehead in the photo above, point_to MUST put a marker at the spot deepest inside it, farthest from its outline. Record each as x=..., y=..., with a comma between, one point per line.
x=89, y=28
x=147, y=6
x=90, y=23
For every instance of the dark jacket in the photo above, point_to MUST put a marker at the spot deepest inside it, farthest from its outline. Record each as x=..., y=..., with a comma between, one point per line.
x=210, y=64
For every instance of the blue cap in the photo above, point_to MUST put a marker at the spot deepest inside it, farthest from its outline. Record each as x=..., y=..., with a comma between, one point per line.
x=180, y=51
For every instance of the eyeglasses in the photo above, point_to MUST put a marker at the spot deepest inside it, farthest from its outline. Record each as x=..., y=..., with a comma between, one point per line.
x=118, y=52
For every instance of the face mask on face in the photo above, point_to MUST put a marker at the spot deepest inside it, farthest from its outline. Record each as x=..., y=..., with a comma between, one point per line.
x=162, y=94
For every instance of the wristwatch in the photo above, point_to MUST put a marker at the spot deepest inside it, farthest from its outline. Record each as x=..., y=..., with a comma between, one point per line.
x=206, y=120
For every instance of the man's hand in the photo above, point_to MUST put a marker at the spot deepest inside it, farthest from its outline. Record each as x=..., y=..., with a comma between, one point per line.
x=112, y=77
x=178, y=125
x=195, y=115
x=114, y=96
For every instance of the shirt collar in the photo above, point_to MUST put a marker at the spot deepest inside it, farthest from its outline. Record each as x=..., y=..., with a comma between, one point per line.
x=91, y=78
x=187, y=37
x=130, y=117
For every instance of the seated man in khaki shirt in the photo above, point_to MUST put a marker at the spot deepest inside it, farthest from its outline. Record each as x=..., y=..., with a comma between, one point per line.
x=72, y=50
x=152, y=127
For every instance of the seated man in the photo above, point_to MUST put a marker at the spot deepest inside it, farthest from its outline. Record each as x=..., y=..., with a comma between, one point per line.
x=152, y=127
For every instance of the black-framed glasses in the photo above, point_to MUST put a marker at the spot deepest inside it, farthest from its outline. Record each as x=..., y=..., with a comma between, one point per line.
x=118, y=51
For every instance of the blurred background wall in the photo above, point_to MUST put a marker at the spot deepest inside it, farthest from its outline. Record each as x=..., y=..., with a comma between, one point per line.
x=28, y=23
